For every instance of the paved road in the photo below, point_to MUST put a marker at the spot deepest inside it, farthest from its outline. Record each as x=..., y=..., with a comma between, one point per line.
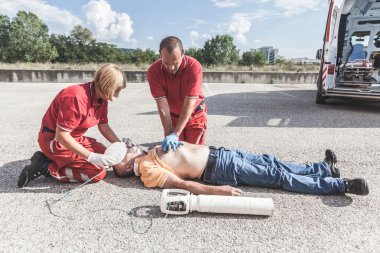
x=120, y=215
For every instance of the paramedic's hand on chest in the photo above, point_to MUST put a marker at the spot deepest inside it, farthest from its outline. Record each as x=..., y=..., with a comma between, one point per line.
x=171, y=136
x=171, y=142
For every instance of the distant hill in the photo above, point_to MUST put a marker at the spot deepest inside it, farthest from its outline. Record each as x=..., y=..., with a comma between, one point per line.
x=128, y=50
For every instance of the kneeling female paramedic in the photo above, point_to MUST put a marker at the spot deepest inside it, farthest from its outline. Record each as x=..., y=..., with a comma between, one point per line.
x=68, y=155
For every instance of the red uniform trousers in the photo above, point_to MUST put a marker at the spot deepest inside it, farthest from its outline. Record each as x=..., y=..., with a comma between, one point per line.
x=195, y=129
x=67, y=166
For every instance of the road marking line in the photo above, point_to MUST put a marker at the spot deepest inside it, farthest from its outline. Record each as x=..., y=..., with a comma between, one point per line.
x=286, y=94
x=135, y=92
x=208, y=89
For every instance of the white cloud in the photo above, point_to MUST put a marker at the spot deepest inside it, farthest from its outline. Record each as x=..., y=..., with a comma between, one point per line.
x=257, y=41
x=197, y=22
x=150, y=38
x=264, y=14
x=58, y=20
x=206, y=36
x=107, y=24
x=226, y=3
x=240, y=24
x=294, y=7
x=194, y=37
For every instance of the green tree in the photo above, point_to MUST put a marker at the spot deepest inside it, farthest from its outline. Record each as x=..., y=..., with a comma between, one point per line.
x=103, y=52
x=29, y=39
x=220, y=50
x=140, y=56
x=126, y=56
x=5, y=27
x=253, y=57
x=66, y=48
x=281, y=60
x=82, y=35
x=197, y=53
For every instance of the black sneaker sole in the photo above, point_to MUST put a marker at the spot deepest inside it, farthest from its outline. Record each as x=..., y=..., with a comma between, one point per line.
x=37, y=159
x=23, y=178
x=330, y=155
x=363, y=188
x=359, y=187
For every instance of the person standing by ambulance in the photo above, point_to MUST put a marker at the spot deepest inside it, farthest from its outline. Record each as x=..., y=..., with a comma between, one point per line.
x=175, y=82
x=68, y=155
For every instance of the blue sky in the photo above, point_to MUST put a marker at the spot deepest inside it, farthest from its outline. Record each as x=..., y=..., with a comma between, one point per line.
x=295, y=27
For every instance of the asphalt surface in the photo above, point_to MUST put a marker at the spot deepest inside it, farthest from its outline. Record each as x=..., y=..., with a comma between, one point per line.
x=120, y=215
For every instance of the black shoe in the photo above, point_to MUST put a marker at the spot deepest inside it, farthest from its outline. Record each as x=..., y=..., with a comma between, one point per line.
x=356, y=186
x=34, y=170
x=330, y=159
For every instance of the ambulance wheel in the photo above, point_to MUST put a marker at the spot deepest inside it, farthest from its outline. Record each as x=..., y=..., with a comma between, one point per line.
x=320, y=99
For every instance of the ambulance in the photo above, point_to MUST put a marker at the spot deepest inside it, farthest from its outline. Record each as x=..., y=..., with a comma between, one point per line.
x=350, y=57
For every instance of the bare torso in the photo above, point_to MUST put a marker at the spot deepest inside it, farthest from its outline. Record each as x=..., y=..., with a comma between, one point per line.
x=188, y=161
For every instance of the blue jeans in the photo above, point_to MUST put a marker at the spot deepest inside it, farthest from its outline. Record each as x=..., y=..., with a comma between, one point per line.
x=235, y=167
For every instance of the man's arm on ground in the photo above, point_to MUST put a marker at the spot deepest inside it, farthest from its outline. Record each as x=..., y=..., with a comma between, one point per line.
x=173, y=182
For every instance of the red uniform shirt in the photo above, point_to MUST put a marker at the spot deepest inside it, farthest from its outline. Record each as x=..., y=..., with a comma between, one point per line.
x=75, y=109
x=186, y=83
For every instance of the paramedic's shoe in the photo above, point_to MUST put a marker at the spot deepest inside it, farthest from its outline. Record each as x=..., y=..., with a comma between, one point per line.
x=37, y=168
x=356, y=186
x=330, y=159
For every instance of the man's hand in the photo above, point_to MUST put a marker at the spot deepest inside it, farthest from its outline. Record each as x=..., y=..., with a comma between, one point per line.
x=228, y=190
x=171, y=142
x=128, y=142
x=101, y=159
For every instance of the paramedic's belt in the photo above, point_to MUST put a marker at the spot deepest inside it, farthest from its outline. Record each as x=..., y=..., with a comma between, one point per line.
x=199, y=107
x=47, y=130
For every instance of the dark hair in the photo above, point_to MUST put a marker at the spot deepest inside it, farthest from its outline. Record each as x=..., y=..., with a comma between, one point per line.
x=124, y=174
x=170, y=43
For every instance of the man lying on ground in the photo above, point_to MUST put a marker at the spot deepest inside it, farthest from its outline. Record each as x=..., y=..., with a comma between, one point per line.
x=224, y=169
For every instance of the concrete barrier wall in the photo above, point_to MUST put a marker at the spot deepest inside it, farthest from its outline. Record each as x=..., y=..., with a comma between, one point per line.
x=78, y=76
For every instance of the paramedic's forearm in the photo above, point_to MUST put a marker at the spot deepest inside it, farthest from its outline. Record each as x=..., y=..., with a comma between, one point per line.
x=108, y=133
x=164, y=112
x=187, y=109
x=70, y=143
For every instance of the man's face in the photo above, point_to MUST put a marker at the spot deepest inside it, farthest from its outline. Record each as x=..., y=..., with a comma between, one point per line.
x=127, y=163
x=171, y=61
x=130, y=159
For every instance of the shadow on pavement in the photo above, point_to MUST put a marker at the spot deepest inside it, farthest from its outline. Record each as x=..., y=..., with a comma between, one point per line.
x=9, y=174
x=295, y=109
x=337, y=200
x=154, y=212
x=291, y=108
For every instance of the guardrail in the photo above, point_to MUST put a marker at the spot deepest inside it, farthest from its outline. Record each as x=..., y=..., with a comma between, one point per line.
x=78, y=76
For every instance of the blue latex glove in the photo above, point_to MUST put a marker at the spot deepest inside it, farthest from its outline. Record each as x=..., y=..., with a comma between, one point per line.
x=171, y=142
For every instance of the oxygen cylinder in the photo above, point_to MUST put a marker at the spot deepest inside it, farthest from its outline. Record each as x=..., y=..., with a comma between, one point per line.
x=175, y=201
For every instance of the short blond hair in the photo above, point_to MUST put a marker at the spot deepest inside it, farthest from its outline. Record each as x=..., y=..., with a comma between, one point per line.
x=108, y=78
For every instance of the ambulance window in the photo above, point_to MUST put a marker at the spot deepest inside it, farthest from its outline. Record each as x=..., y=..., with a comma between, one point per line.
x=361, y=37
x=376, y=40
